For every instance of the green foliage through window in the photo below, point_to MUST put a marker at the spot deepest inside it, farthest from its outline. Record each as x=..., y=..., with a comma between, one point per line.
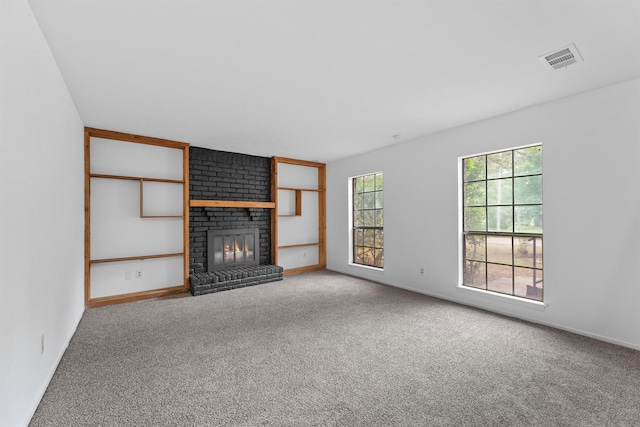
x=368, y=220
x=502, y=222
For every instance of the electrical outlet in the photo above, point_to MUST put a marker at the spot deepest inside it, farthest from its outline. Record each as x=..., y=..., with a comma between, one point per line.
x=304, y=254
x=128, y=275
x=421, y=271
x=42, y=344
x=138, y=274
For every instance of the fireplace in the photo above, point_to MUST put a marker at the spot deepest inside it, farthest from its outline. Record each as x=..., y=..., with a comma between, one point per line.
x=232, y=248
x=233, y=261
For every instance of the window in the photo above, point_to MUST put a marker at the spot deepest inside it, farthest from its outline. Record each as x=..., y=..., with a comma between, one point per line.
x=368, y=220
x=502, y=222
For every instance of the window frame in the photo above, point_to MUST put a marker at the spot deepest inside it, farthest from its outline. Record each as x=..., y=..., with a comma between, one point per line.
x=378, y=230
x=515, y=264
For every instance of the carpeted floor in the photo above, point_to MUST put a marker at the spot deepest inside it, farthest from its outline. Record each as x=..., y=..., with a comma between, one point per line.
x=326, y=349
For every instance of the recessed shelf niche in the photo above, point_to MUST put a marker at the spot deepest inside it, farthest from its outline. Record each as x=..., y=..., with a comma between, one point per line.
x=299, y=221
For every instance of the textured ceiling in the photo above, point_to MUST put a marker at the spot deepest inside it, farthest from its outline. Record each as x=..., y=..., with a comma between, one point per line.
x=322, y=79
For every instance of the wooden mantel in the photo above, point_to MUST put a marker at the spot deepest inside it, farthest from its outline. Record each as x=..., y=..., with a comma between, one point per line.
x=230, y=204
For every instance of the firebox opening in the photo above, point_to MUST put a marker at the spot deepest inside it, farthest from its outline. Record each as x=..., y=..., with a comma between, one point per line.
x=232, y=248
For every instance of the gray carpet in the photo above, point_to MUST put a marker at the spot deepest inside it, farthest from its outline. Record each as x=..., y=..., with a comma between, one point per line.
x=327, y=349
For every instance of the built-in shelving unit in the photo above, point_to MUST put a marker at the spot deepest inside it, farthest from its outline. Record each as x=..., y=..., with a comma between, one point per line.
x=136, y=217
x=298, y=221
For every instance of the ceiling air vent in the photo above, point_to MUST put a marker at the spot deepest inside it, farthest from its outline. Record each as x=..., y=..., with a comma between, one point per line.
x=562, y=58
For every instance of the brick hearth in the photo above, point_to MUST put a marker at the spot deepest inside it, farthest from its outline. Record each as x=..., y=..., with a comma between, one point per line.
x=223, y=280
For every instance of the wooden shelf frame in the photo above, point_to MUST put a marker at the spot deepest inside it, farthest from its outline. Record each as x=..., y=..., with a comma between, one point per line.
x=88, y=175
x=142, y=179
x=142, y=215
x=298, y=201
x=322, y=203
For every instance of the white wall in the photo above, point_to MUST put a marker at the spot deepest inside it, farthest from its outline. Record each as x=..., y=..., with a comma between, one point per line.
x=591, y=149
x=41, y=214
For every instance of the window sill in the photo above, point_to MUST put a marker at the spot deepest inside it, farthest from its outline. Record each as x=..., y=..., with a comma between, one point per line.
x=367, y=267
x=507, y=299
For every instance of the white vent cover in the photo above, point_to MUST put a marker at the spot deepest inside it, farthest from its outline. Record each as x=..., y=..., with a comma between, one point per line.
x=562, y=58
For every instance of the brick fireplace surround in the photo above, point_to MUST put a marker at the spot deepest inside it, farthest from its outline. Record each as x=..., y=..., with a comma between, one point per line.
x=220, y=175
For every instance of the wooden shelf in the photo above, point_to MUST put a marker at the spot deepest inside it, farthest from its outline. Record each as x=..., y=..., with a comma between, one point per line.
x=135, y=178
x=300, y=270
x=230, y=204
x=135, y=296
x=299, y=245
x=299, y=189
x=135, y=258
